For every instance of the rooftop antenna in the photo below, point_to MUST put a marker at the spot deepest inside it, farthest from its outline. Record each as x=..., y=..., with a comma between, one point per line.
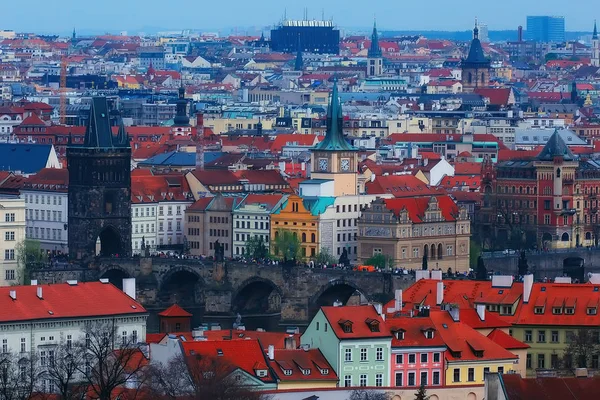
x=285, y=14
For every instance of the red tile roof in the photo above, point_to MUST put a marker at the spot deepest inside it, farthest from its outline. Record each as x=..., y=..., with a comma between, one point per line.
x=498, y=97
x=467, y=168
x=401, y=186
x=505, y=340
x=416, y=207
x=48, y=179
x=414, y=332
x=470, y=317
x=244, y=354
x=63, y=300
x=276, y=339
x=154, y=188
x=359, y=318
x=174, y=311
x=285, y=139
x=297, y=360
x=268, y=200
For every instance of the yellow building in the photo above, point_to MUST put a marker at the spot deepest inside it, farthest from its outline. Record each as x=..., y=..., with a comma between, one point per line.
x=297, y=369
x=224, y=125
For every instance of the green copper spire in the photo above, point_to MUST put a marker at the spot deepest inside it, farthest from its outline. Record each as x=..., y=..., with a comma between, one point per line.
x=595, y=34
x=334, y=138
x=374, y=50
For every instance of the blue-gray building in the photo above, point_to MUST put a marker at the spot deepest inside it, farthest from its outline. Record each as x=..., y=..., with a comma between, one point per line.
x=545, y=29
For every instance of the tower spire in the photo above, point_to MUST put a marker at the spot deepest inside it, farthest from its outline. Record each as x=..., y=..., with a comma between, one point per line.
x=334, y=138
x=374, y=50
x=476, y=30
x=595, y=34
x=299, y=65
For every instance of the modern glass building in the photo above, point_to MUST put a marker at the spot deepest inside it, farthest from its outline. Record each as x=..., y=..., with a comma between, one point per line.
x=545, y=29
x=313, y=37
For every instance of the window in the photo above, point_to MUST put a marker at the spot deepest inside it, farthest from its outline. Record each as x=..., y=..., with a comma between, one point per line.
x=423, y=378
x=471, y=375
x=363, y=355
x=541, y=336
x=379, y=380
x=528, y=362
x=411, y=379
x=88, y=341
x=554, y=337
x=348, y=355
x=4, y=346
x=436, y=378
x=9, y=275
x=9, y=254
x=399, y=359
x=23, y=345
x=51, y=358
x=436, y=357
x=528, y=336
x=541, y=361
x=69, y=341
x=348, y=380
x=134, y=336
x=500, y=370
x=42, y=358
x=124, y=338
x=412, y=358
x=379, y=354
x=554, y=363
x=9, y=236
x=456, y=375
x=423, y=358
x=363, y=380
x=399, y=379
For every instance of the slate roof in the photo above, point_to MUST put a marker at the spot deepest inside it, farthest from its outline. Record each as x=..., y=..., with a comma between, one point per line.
x=27, y=158
x=556, y=147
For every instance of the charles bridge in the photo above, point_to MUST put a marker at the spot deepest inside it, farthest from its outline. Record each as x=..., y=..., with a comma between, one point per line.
x=206, y=288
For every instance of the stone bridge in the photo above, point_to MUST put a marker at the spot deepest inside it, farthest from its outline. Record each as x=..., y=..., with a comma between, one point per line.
x=546, y=264
x=225, y=289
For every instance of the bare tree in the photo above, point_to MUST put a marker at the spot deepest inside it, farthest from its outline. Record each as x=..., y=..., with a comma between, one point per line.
x=198, y=377
x=62, y=370
x=583, y=344
x=110, y=360
x=19, y=376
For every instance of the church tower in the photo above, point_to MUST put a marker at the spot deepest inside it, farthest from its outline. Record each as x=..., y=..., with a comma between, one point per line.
x=334, y=158
x=181, y=125
x=476, y=67
x=595, y=48
x=374, y=57
x=299, y=63
x=99, y=211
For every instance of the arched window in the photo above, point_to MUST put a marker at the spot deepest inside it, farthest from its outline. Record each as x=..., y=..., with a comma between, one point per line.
x=470, y=78
x=588, y=236
x=303, y=237
x=313, y=238
x=558, y=172
x=440, y=251
x=426, y=251
x=432, y=251
x=565, y=237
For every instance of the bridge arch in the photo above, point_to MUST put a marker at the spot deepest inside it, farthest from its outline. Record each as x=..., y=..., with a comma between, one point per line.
x=257, y=295
x=182, y=285
x=336, y=290
x=115, y=275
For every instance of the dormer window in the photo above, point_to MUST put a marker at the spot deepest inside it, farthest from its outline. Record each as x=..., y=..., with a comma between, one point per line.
x=455, y=354
x=399, y=334
x=324, y=371
x=305, y=371
x=287, y=372
x=373, y=324
x=346, y=326
x=569, y=310
x=429, y=333
x=538, y=310
x=556, y=310
x=261, y=373
x=591, y=311
x=478, y=353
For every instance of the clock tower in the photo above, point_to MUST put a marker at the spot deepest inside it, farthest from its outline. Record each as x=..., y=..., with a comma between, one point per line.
x=334, y=158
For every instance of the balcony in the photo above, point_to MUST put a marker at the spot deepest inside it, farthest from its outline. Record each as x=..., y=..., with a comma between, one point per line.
x=568, y=211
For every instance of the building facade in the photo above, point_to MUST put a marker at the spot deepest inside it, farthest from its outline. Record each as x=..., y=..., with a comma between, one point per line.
x=12, y=232
x=409, y=229
x=545, y=29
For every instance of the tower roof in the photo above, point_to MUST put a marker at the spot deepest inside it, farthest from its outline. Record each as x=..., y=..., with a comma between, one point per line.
x=181, y=118
x=98, y=132
x=374, y=50
x=334, y=138
x=556, y=147
x=476, y=55
x=299, y=64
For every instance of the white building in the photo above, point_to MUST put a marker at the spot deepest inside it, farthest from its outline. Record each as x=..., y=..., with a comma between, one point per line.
x=46, y=209
x=12, y=232
x=36, y=319
x=252, y=217
x=144, y=224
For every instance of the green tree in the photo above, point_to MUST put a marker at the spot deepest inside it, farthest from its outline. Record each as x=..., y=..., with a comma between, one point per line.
x=325, y=257
x=380, y=261
x=29, y=255
x=286, y=245
x=421, y=393
x=256, y=248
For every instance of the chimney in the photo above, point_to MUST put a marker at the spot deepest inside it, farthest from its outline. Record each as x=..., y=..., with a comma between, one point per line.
x=129, y=287
x=481, y=311
x=39, y=293
x=200, y=154
x=398, y=300
x=197, y=334
x=527, y=286
x=520, y=33
x=271, y=352
x=439, y=299
x=337, y=303
x=13, y=294
x=378, y=308
x=200, y=123
x=290, y=343
x=34, y=282
x=454, y=313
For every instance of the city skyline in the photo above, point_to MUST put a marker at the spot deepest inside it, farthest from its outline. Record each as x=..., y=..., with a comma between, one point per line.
x=62, y=16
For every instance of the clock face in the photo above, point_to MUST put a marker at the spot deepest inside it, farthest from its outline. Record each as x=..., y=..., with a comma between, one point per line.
x=345, y=164
x=323, y=164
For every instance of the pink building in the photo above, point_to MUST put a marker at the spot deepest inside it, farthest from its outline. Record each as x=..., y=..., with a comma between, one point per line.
x=417, y=352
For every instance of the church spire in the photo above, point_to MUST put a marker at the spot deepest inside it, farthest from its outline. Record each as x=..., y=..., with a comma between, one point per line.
x=181, y=118
x=374, y=50
x=299, y=65
x=476, y=30
x=334, y=138
x=595, y=34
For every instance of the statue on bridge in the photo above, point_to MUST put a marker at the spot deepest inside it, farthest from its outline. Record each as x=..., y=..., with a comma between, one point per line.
x=219, y=251
x=344, y=260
